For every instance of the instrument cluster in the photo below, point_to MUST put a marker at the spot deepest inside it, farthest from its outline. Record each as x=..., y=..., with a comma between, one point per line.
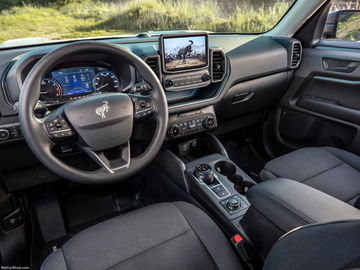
x=63, y=85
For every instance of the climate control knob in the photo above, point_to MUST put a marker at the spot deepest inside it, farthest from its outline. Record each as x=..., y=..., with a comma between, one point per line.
x=174, y=130
x=209, y=122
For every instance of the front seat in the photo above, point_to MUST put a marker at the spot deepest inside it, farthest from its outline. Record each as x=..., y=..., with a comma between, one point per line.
x=161, y=236
x=180, y=236
x=330, y=170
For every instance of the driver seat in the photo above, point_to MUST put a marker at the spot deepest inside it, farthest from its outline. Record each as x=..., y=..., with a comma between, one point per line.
x=161, y=236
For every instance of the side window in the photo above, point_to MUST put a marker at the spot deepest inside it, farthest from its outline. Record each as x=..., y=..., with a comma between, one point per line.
x=343, y=21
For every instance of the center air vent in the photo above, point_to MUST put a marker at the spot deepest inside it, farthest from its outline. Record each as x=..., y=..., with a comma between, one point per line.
x=218, y=66
x=296, y=54
x=153, y=63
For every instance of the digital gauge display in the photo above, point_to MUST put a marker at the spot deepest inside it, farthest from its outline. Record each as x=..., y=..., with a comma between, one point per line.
x=75, y=81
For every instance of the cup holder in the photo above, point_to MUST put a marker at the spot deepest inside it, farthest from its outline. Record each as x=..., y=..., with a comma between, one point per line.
x=225, y=168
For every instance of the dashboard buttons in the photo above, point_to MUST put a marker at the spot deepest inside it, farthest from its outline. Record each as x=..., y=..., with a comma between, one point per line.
x=10, y=132
x=4, y=134
x=202, y=122
x=187, y=80
x=220, y=191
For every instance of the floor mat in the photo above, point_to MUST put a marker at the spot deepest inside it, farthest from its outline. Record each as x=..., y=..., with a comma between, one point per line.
x=81, y=208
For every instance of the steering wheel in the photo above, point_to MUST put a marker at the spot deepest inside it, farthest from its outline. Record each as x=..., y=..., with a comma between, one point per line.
x=95, y=123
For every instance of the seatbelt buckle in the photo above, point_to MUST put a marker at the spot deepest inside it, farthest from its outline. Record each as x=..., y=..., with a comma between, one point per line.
x=242, y=247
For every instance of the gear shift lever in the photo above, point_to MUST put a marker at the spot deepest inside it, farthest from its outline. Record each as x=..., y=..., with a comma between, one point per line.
x=204, y=173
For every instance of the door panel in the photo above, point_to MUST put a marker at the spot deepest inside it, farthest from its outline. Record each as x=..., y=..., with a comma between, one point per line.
x=322, y=105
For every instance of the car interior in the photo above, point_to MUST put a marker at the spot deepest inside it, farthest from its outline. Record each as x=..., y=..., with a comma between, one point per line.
x=244, y=156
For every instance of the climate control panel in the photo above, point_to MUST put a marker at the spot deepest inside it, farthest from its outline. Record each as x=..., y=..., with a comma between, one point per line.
x=191, y=123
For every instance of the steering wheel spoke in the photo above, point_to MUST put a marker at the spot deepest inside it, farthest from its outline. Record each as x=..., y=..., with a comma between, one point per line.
x=111, y=165
x=143, y=107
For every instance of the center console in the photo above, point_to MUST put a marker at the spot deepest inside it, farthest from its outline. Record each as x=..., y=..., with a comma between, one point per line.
x=200, y=166
x=208, y=178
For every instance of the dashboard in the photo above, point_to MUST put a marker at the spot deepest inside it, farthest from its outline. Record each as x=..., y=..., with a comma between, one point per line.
x=202, y=75
x=66, y=84
x=226, y=82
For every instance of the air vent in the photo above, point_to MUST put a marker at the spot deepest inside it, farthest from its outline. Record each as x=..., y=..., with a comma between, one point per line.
x=296, y=54
x=153, y=63
x=218, y=66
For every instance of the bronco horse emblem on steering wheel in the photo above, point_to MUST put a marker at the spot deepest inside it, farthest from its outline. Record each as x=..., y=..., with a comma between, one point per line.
x=103, y=109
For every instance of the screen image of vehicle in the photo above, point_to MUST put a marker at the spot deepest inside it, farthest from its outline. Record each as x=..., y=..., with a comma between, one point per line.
x=185, y=52
x=75, y=81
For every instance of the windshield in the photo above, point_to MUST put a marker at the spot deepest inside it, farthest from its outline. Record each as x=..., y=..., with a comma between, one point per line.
x=37, y=21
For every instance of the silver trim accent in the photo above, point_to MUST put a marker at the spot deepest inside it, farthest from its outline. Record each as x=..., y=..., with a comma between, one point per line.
x=98, y=159
x=59, y=131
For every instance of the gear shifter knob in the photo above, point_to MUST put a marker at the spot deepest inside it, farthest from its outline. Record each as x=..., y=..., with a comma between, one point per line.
x=204, y=173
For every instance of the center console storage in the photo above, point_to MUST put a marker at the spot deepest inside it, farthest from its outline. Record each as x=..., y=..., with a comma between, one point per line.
x=281, y=205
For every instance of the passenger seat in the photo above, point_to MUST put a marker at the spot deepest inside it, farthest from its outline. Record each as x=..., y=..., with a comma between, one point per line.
x=330, y=170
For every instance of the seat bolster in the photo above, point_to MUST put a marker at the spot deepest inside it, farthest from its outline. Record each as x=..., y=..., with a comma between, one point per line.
x=266, y=174
x=347, y=157
x=211, y=236
x=55, y=261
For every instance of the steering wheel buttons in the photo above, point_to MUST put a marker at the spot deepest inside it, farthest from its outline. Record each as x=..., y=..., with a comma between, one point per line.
x=58, y=128
x=143, y=107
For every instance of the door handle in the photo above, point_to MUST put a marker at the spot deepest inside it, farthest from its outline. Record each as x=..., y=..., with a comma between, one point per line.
x=339, y=65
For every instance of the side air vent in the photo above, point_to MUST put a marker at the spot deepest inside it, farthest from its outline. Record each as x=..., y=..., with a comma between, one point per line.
x=218, y=66
x=153, y=63
x=296, y=54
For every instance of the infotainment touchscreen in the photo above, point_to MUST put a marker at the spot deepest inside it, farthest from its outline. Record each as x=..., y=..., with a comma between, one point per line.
x=75, y=81
x=184, y=52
